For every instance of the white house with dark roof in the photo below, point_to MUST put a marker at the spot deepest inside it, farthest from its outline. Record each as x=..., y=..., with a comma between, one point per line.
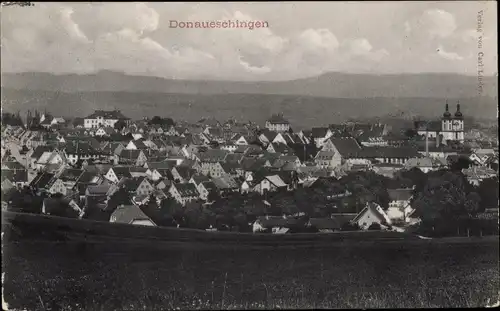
x=103, y=118
x=278, y=123
x=371, y=214
x=184, y=193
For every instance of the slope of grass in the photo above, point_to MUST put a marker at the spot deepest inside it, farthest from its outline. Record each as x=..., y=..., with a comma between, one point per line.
x=53, y=276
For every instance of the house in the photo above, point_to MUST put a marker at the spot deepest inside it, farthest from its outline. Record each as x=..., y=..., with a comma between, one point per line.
x=184, y=193
x=14, y=178
x=61, y=207
x=182, y=173
x=399, y=205
x=138, y=144
x=481, y=156
x=43, y=156
x=225, y=184
x=104, y=131
x=371, y=214
x=204, y=188
x=277, y=123
x=320, y=134
x=277, y=224
x=48, y=182
x=387, y=169
x=328, y=159
x=132, y=215
x=131, y=157
x=98, y=195
x=137, y=186
x=476, y=174
x=70, y=176
x=425, y=164
x=324, y=225
x=76, y=151
x=347, y=147
x=269, y=183
x=389, y=154
x=103, y=118
x=280, y=148
x=198, y=179
x=115, y=174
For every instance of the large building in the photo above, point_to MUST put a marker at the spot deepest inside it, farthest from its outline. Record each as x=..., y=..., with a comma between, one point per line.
x=449, y=128
x=277, y=123
x=103, y=118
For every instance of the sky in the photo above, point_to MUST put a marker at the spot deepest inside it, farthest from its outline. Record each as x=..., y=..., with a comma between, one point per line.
x=303, y=39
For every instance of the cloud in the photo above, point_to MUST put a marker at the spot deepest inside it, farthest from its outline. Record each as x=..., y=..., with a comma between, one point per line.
x=439, y=23
x=72, y=28
x=361, y=47
x=254, y=69
x=448, y=55
x=302, y=40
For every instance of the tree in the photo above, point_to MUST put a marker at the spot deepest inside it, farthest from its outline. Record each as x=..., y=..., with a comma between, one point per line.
x=446, y=198
x=156, y=120
x=375, y=226
x=213, y=195
x=411, y=133
x=488, y=192
x=119, y=125
x=170, y=212
x=461, y=163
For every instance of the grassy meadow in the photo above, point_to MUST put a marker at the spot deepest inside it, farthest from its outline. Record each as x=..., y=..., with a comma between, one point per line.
x=44, y=275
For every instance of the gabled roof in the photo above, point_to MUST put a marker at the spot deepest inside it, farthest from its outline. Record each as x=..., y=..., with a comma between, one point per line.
x=161, y=165
x=42, y=180
x=319, y=132
x=400, y=194
x=185, y=172
x=325, y=223
x=71, y=174
x=12, y=165
x=270, y=135
x=129, y=154
x=131, y=183
x=388, y=152
x=277, y=119
x=15, y=175
x=225, y=182
x=200, y=178
x=37, y=153
x=347, y=147
x=234, y=157
x=107, y=114
x=186, y=190
x=377, y=211
x=279, y=221
x=213, y=155
x=127, y=214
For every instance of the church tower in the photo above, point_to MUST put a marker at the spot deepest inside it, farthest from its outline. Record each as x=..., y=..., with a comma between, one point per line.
x=458, y=125
x=446, y=120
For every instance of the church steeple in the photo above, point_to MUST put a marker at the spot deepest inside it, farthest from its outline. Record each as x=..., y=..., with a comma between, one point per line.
x=446, y=113
x=458, y=114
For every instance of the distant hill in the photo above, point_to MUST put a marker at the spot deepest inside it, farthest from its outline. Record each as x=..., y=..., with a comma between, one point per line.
x=302, y=111
x=337, y=85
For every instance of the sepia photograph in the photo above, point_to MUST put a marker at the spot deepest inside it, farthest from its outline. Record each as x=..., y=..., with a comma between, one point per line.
x=249, y=155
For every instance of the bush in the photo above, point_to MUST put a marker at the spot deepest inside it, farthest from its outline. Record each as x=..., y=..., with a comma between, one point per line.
x=375, y=226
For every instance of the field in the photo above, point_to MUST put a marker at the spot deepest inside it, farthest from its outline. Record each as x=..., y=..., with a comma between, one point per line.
x=47, y=275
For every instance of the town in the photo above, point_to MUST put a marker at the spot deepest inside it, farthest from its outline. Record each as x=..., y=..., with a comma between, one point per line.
x=231, y=176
